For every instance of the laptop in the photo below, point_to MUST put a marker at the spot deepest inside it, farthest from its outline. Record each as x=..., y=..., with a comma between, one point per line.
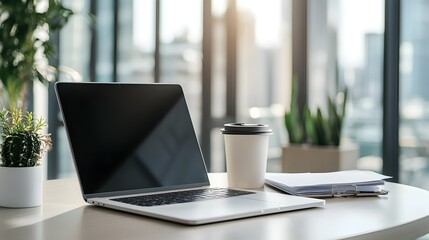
x=135, y=150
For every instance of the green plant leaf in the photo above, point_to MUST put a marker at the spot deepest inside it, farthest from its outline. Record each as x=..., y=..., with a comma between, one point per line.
x=310, y=127
x=294, y=126
x=19, y=43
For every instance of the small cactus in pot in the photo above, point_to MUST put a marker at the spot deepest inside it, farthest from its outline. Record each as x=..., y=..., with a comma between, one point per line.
x=23, y=145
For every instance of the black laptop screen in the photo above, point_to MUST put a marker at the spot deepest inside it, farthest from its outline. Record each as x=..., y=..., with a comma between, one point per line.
x=130, y=136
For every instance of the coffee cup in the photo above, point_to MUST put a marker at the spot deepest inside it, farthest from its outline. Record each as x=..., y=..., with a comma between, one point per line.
x=246, y=150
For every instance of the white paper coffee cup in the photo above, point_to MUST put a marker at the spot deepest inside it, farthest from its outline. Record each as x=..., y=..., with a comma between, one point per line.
x=246, y=149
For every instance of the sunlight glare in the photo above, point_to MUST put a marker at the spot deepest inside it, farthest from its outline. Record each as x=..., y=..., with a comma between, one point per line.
x=267, y=16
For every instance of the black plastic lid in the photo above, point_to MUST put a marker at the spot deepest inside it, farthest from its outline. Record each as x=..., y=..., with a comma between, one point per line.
x=245, y=129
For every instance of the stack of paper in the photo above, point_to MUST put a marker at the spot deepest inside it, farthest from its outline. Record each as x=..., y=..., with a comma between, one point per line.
x=330, y=184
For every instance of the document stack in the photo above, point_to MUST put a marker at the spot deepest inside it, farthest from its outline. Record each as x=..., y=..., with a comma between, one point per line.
x=330, y=184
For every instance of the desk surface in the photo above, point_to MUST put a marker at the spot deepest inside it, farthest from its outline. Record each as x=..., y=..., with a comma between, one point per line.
x=403, y=214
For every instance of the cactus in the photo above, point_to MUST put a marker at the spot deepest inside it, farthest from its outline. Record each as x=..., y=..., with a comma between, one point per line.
x=23, y=145
x=316, y=128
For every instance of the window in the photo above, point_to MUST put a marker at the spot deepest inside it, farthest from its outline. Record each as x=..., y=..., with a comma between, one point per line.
x=264, y=68
x=247, y=45
x=74, y=58
x=414, y=97
x=347, y=50
x=180, y=51
x=251, y=70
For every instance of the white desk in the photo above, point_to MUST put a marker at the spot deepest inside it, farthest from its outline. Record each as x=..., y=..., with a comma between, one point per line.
x=403, y=214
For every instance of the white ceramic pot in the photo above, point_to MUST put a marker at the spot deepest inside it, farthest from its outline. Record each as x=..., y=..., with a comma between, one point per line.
x=21, y=187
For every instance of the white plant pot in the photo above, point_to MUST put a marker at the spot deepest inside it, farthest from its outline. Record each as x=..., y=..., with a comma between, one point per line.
x=21, y=187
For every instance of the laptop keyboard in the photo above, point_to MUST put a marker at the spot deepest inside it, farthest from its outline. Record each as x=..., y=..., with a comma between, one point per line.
x=181, y=197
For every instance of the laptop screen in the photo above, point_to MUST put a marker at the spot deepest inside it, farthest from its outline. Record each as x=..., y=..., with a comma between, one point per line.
x=127, y=137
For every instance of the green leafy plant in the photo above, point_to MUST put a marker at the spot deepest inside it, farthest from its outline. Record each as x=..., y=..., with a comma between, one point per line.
x=316, y=128
x=293, y=118
x=23, y=144
x=25, y=45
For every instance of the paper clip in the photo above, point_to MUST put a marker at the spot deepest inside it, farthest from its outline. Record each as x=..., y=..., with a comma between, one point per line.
x=344, y=190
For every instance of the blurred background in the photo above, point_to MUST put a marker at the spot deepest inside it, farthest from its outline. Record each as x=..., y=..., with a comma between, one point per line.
x=235, y=60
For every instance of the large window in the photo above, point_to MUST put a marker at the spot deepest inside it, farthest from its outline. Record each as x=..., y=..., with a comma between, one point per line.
x=346, y=50
x=74, y=48
x=162, y=41
x=234, y=61
x=264, y=69
x=180, y=50
x=251, y=70
x=414, y=97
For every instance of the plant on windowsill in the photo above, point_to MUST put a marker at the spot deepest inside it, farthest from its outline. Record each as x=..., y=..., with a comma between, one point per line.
x=21, y=152
x=25, y=45
x=314, y=138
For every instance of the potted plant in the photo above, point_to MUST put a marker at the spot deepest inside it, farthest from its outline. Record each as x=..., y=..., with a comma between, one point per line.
x=21, y=152
x=25, y=45
x=315, y=138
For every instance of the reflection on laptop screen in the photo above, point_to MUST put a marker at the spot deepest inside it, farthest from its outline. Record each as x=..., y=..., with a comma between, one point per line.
x=130, y=136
